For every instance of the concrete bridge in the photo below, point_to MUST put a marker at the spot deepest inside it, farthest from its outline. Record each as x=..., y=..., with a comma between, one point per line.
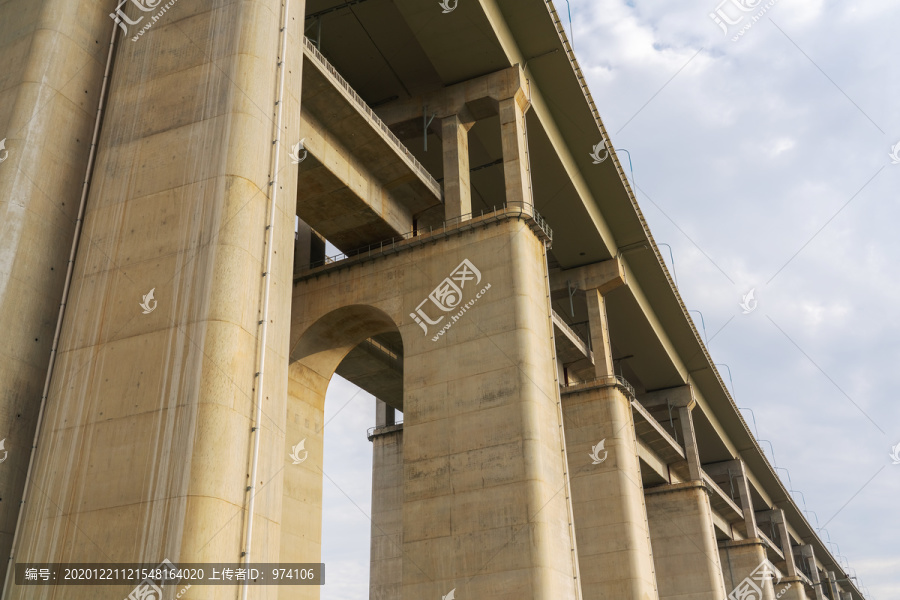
x=172, y=318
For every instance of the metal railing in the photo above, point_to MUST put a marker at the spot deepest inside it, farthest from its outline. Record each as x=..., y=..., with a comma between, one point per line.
x=374, y=119
x=387, y=246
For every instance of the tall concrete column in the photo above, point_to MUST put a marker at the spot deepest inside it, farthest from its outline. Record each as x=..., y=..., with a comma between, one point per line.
x=684, y=542
x=786, y=548
x=309, y=247
x=482, y=509
x=147, y=441
x=457, y=189
x=515, y=152
x=53, y=55
x=681, y=523
x=607, y=498
x=740, y=560
x=792, y=584
x=808, y=554
x=599, y=326
x=607, y=492
x=832, y=585
x=386, y=558
x=689, y=440
x=384, y=415
x=734, y=470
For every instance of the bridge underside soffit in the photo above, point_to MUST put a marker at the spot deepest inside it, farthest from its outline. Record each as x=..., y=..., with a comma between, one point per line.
x=395, y=51
x=376, y=366
x=357, y=184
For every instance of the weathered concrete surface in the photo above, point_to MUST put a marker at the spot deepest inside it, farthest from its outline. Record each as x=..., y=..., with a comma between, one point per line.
x=792, y=588
x=386, y=557
x=53, y=54
x=147, y=436
x=684, y=542
x=351, y=201
x=607, y=498
x=739, y=560
x=472, y=100
x=457, y=188
x=516, y=168
x=482, y=512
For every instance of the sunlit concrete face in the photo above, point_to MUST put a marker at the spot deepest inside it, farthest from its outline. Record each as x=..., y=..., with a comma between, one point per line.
x=607, y=495
x=146, y=440
x=684, y=542
x=482, y=461
x=47, y=114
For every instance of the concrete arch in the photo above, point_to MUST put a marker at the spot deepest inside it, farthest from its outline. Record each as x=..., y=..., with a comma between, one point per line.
x=318, y=346
x=481, y=434
x=327, y=341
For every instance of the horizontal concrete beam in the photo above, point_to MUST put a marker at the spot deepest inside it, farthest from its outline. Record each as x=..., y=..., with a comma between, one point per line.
x=569, y=347
x=334, y=177
x=681, y=396
x=664, y=447
x=722, y=504
x=471, y=100
x=657, y=465
x=603, y=276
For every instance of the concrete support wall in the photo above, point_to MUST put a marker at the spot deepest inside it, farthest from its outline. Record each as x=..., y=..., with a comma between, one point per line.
x=53, y=54
x=739, y=560
x=148, y=433
x=483, y=467
x=792, y=588
x=684, y=543
x=608, y=498
x=300, y=535
x=386, y=558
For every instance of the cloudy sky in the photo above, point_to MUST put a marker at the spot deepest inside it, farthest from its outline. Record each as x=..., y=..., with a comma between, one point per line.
x=764, y=164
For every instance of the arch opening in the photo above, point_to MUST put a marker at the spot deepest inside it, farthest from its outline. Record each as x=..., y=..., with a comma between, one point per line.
x=353, y=357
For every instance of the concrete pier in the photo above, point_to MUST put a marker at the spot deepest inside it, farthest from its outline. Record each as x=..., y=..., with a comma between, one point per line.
x=684, y=542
